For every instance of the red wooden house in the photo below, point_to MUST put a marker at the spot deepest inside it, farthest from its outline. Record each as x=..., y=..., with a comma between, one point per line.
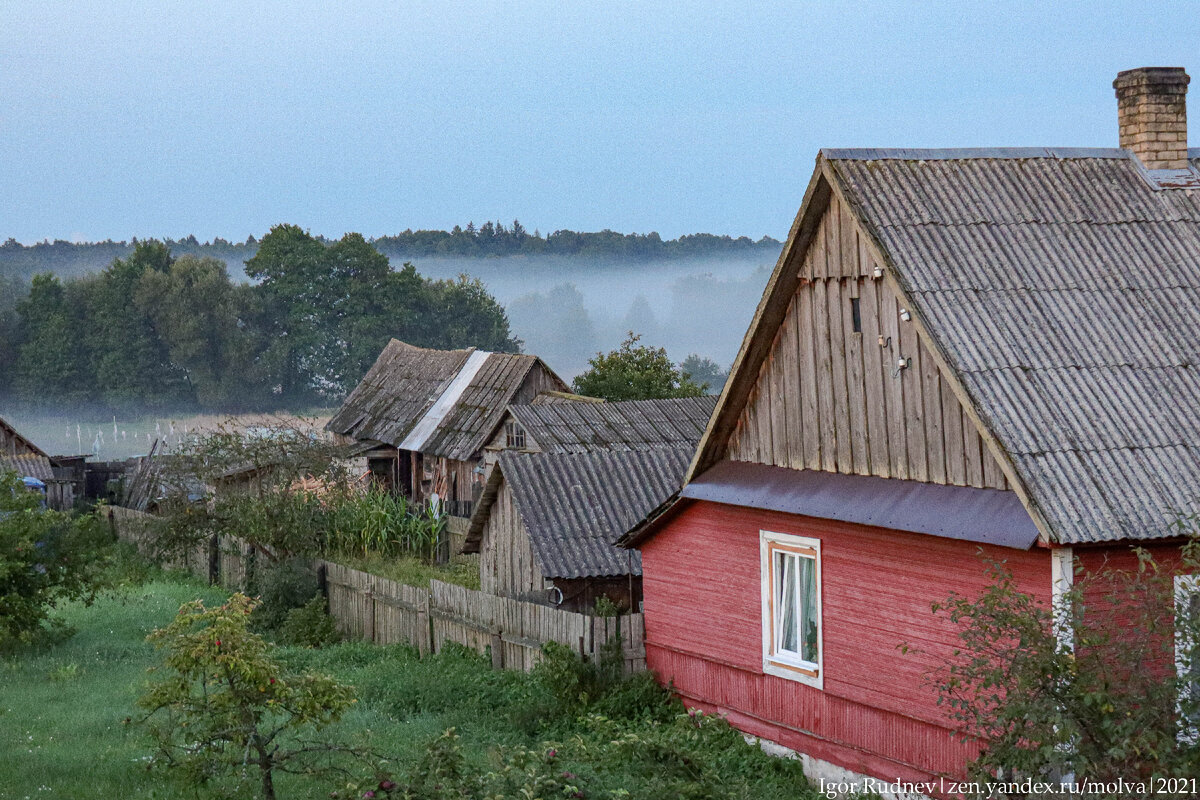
x=957, y=350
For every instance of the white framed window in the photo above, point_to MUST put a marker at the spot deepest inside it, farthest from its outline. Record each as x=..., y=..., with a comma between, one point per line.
x=1187, y=655
x=791, y=607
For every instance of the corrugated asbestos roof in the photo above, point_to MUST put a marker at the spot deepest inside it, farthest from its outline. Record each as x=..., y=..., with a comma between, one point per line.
x=405, y=382
x=576, y=505
x=1064, y=288
x=28, y=465
x=627, y=425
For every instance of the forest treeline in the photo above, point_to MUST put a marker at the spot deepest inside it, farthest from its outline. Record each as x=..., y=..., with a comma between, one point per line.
x=492, y=239
x=160, y=329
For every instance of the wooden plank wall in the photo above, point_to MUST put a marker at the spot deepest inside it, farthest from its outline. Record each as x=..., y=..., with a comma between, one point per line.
x=829, y=398
x=507, y=565
x=365, y=606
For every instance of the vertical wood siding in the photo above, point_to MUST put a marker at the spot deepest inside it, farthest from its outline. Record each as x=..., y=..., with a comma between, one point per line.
x=828, y=398
x=701, y=587
x=506, y=562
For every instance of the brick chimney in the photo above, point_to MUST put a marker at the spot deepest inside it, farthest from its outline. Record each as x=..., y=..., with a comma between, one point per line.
x=1152, y=112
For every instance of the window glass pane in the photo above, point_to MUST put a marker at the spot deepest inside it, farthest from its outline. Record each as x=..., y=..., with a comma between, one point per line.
x=808, y=609
x=785, y=603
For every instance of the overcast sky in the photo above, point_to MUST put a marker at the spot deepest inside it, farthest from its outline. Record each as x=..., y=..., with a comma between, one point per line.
x=122, y=119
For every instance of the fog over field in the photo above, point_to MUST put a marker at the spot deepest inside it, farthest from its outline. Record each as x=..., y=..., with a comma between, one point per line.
x=565, y=310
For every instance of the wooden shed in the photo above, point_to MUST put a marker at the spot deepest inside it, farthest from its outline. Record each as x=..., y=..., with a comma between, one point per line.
x=546, y=524
x=20, y=455
x=588, y=425
x=427, y=415
x=958, y=351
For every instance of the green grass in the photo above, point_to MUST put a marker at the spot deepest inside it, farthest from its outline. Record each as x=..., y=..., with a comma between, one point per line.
x=63, y=712
x=462, y=570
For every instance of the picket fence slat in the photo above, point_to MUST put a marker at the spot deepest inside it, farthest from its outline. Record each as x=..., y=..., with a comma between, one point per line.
x=383, y=611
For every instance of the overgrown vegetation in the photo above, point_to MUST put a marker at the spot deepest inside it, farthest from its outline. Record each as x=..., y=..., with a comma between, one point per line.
x=514, y=736
x=46, y=557
x=225, y=710
x=288, y=492
x=1102, y=688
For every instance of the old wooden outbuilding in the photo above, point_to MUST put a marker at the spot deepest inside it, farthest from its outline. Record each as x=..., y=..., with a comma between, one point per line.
x=958, y=351
x=546, y=524
x=20, y=455
x=427, y=414
x=557, y=423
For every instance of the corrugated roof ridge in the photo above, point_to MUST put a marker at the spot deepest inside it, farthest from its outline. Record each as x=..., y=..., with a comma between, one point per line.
x=962, y=153
x=1088, y=223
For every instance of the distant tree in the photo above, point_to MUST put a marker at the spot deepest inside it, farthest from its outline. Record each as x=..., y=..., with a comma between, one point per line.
x=635, y=372
x=556, y=325
x=705, y=372
x=51, y=362
x=206, y=323
x=462, y=313
x=131, y=363
x=294, y=283
x=640, y=317
x=12, y=292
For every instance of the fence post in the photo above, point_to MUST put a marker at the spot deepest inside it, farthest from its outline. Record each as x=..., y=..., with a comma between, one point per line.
x=370, y=595
x=323, y=579
x=424, y=628
x=497, y=650
x=214, y=560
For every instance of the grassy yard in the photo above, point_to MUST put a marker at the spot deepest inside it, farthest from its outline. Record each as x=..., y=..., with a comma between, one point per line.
x=64, y=730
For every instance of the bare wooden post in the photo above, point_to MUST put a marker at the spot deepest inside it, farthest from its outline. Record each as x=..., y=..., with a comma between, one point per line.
x=424, y=629
x=323, y=579
x=370, y=595
x=497, y=650
x=214, y=560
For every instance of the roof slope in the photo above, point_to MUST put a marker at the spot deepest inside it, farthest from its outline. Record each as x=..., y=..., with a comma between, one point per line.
x=626, y=425
x=16, y=442
x=27, y=465
x=1062, y=290
x=576, y=505
x=405, y=383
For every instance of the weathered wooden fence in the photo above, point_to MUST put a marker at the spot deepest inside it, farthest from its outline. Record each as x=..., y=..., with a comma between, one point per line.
x=365, y=606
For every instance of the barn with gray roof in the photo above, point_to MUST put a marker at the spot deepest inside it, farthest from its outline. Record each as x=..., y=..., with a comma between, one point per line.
x=425, y=416
x=546, y=524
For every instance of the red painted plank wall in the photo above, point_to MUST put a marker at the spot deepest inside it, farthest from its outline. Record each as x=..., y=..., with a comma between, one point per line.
x=877, y=714
x=1091, y=565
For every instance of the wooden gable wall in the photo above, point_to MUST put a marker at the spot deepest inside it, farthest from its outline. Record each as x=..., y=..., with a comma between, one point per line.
x=829, y=398
x=507, y=566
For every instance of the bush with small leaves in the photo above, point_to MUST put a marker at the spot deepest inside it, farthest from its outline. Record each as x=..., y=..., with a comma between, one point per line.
x=226, y=710
x=309, y=626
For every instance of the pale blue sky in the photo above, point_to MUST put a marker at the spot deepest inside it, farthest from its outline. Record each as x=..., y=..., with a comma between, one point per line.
x=122, y=119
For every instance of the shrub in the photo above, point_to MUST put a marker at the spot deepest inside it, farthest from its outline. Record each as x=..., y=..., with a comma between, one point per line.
x=226, y=709
x=281, y=588
x=46, y=557
x=1112, y=707
x=443, y=774
x=309, y=626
